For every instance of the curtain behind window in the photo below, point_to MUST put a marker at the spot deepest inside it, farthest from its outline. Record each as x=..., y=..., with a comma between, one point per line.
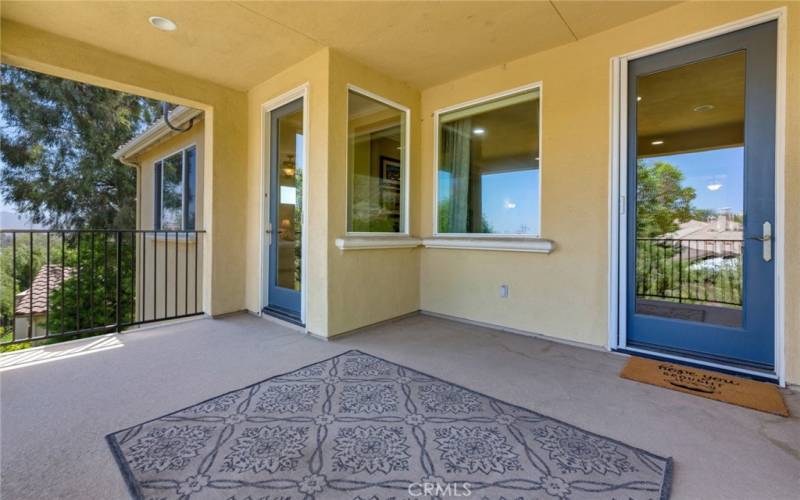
x=456, y=161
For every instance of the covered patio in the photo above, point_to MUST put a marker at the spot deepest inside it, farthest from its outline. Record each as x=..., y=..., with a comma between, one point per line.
x=364, y=166
x=59, y=411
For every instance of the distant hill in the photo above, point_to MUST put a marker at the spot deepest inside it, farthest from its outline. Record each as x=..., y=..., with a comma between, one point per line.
x=11, y=220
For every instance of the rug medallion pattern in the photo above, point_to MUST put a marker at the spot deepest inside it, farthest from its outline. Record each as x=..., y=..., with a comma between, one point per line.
x=358, y=427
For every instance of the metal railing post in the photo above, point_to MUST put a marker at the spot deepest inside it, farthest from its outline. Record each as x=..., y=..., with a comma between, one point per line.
x=118, y=320
x=71, y=281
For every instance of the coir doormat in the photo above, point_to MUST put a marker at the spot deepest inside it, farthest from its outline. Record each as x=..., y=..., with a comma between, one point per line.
x=727, y=388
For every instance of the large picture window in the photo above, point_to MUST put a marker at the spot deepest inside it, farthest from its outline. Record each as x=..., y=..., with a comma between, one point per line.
x=488, y=166
x=376, y=163
x=175, y=191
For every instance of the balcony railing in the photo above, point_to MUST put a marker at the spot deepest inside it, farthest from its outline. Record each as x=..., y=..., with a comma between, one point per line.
x=690, y=271
x=65, y=283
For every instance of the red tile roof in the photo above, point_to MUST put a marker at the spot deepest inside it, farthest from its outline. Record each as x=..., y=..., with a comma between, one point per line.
x=39, y=287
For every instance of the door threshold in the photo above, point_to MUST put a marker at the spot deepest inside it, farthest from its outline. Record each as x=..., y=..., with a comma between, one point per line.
x=761, y=375
x=283, y=315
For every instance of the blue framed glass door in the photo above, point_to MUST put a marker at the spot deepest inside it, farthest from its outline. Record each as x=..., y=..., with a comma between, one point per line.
x=286, y=211
x=700, y=205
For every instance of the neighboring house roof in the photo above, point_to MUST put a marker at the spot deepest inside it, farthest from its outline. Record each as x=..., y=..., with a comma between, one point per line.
x=39, y=287
x=155, y=133
x=720, y=236
x=722, y=227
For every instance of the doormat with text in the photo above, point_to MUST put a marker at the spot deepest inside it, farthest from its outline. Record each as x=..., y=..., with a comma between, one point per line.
x=739, y=391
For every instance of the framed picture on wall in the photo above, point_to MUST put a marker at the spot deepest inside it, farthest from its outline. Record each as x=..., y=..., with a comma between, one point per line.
x=390, y=169
x=390, y=173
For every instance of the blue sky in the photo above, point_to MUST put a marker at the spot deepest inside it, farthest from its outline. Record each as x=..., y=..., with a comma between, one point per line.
x=510, y=200
x=724, y=167
x=6, y=207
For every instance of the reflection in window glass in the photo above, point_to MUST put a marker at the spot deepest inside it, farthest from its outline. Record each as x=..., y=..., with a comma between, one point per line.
x=190, y=188
x=172, y=193
x=488, y=173
x=376, y=159
x=690, y=191
x=175, y=191
x=290, y=200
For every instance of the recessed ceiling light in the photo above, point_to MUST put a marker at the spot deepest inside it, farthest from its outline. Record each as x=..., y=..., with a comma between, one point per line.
x=638, y=98
x=163, y=23
x=703, y=108
x=479, y=131
x=657, y=143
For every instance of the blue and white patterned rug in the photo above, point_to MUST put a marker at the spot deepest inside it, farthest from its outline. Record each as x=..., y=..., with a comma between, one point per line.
x=358, y=427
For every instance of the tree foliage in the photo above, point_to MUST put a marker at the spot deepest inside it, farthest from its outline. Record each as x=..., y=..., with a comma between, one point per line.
x=56, y=147
x=56, y=152
x=445, y=223
x=91, y=301
x=662, y=200
x=19, y=269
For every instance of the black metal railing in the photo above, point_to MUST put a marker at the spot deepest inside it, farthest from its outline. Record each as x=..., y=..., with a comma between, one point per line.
x=60, y=283
x=689, y=270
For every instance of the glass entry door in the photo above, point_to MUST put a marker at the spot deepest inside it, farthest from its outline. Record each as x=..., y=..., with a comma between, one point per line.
x=700, y=205
x=286, y=211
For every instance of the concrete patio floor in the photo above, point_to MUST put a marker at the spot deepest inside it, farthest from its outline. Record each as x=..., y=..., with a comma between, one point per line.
x=55, y=413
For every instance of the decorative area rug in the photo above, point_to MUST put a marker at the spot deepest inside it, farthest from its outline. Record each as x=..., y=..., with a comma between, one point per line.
x=713, y=385
x=358, y=427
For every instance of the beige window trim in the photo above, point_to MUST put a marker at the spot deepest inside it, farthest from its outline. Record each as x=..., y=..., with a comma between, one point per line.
x=376, y=242
x=515, y=244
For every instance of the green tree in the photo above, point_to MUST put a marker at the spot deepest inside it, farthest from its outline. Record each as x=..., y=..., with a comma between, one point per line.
x=91, y=301
x=56, y=165
x=661, y=199
x=15, y=276
x=56, y=147
x=444, y=222
x=15, y=270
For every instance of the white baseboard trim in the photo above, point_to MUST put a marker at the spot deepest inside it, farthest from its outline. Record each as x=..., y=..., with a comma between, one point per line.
x=277, y=321
x=525, y=333
x=371, y=325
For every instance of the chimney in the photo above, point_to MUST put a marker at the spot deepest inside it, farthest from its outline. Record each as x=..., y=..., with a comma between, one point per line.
x=724, y=220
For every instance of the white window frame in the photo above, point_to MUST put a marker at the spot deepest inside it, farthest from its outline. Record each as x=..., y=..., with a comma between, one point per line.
x=301, y=92
x=160, y=207
x=406, y=166
x=436, y=118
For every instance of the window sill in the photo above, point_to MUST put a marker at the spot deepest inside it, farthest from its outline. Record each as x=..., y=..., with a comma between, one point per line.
x=376, y=242
x=517, y=244
x=158, y=237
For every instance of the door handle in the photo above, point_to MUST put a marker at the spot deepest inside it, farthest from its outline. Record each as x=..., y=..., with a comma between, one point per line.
x=766, y=239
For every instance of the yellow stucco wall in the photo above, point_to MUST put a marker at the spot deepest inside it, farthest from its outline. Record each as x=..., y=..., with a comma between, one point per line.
x=158, y=271
x=345, y=290
x=312, y=71
x=565, y=294
x=225, y=138
x=367, y=286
